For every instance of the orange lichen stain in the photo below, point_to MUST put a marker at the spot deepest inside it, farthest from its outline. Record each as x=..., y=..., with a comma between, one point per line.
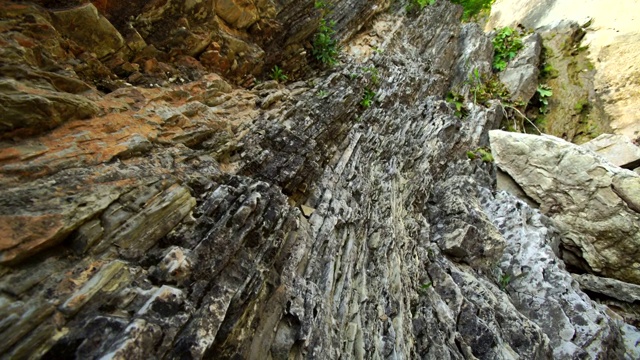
x=79, y=276
x=23, y=235
x=84, y=142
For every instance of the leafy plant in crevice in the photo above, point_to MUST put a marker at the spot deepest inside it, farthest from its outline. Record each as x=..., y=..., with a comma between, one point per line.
x=457, y=101
x=504, y=281
x=485, y=88
x=473, y=8
x=373, y=71
x=506, y=44
x=476, y=84
x=418, y=4
x=325, y=46
x=424, y=287
x=319, y=4
x=582, y=106
x=543, y=93
x=278, y=75
x=483, y=153
x=367, y=98
x=547, y=71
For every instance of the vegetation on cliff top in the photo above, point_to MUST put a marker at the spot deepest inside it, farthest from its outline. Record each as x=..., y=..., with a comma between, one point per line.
x=473, y=8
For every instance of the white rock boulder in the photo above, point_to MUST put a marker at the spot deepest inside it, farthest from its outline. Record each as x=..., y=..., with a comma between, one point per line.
x=595, y=204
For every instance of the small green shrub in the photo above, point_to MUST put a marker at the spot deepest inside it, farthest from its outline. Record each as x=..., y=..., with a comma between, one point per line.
x=458, y=101
x=278, y=75
x=471, y=155
x=544, y=93
x=375, y=78
x=548, y=72
x=319, y=4
x=473, y=8
x=419, y=4
x=504, y=281
x=325, y=47
x=483, y=153
x=581, y=106
x=367, y=98
x=506, y=44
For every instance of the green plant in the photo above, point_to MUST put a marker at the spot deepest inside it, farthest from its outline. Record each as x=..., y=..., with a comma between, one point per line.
x=319, y=4
x=471, y=155
x=544, y=93
x=420, y=4
x=422, y=290
x=483, y=153
x=473, y=8
x=375, y=79
x=458, y=101
x=325, y=47
x=506, y=44
x=475, y=82
x=367, y=98
x=278, y=75
x=504, y=281
x=322, y=93
x=581, y=106
x=548, y=72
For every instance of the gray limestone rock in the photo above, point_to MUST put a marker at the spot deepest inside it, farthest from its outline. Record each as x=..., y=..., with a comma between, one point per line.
x=593, y=203
x=618, y=149
x=541, y=288
x=609, y=287
x=521, y=74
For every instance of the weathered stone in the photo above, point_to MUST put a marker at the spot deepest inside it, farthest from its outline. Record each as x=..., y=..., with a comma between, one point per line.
x=609, y=287
x=521, y=74
x=542, y=289
x=618, y=149
x=238, y=13
x=609, y=76
x=90, y=288
x=31, y=230
x=592, y=202
x=89, y=29
x=474, y=47
x=33, y=110
x=576, y=110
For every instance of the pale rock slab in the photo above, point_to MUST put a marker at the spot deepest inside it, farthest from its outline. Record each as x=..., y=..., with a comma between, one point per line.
x=593, y=203
x=618, y=149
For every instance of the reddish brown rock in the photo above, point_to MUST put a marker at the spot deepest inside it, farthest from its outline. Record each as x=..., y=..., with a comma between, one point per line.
x=89, y=29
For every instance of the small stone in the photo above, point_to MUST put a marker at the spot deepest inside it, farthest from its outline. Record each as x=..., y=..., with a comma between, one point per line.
x=306, y=210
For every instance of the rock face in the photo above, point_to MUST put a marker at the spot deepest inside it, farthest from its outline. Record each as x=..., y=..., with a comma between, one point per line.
x=542, y=290
x=595, y=204
x=284, y=221
x=611, y=46
x=618, y=149
x=521, y=74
